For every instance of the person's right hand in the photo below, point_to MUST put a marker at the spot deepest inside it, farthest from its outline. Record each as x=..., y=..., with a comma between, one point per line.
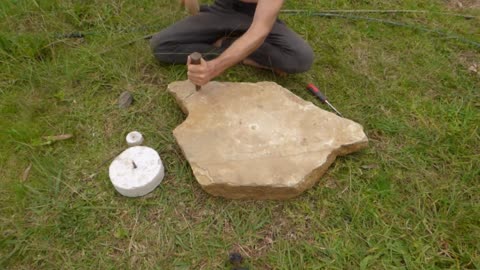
x=202, y=73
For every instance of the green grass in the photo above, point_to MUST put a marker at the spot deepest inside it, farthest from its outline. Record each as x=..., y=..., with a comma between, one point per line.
x=411, y=200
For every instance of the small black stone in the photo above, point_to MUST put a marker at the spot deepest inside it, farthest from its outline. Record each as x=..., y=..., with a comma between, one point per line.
x=235, y=258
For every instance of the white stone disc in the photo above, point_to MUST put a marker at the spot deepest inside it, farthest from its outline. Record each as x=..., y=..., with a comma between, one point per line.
x=134, y=138
x=136, y=171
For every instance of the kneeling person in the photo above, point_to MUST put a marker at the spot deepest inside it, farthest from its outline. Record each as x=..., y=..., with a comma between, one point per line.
x=229, y=32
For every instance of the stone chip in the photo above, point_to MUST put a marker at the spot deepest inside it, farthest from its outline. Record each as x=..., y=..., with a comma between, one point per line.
x=259, y=140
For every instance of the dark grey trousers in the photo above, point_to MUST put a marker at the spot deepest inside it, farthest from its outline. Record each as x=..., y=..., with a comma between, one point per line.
x=283, y=49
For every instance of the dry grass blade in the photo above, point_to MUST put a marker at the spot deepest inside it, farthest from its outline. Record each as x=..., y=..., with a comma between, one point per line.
x=26, y=173
x=56, y=138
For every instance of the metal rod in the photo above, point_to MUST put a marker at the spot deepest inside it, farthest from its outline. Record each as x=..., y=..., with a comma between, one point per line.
x=390, y=11
x=196, y=59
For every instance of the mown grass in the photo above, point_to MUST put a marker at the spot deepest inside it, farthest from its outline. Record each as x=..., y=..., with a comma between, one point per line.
x=411, y=200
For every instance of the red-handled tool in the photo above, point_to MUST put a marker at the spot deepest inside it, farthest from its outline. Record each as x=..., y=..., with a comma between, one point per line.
x=314, y=90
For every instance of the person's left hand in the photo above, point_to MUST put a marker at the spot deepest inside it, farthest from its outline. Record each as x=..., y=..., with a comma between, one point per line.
x=200, y=74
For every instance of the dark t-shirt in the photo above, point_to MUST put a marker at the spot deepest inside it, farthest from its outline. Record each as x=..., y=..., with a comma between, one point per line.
x=237, y=5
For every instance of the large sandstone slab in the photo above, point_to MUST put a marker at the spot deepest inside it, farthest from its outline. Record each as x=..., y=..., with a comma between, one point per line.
x=258, y=140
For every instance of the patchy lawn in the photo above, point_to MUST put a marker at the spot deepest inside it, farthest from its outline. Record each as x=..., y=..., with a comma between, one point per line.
x=411, y=200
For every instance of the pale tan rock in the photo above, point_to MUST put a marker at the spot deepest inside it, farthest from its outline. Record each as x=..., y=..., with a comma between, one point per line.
x=258, y=140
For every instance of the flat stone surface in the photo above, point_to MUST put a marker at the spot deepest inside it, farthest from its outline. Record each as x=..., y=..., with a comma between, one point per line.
x=259, y=140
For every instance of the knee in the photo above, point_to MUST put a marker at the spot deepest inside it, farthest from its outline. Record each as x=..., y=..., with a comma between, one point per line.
x=161, y=47
x=300, y=61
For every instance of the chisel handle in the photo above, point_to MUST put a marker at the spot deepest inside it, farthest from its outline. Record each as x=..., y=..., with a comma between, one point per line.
x=196, y=59
x=314, y=90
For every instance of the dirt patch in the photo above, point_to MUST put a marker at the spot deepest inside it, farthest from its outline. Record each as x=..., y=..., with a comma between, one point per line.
x=150, y=74
x=463, y=4
x=470, y=61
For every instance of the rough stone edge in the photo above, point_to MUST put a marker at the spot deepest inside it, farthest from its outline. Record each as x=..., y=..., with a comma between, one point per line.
x=178, y=98
x=280, y=193
x=182, y=96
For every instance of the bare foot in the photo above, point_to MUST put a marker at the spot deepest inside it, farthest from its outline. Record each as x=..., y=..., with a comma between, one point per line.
x=219, y=42
x=192, y=6
x=250, y=62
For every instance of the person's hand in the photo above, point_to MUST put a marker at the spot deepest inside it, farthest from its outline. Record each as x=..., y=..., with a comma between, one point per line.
x=200, y=74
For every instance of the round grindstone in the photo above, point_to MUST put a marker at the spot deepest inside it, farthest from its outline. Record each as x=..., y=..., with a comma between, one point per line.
x=136, y=171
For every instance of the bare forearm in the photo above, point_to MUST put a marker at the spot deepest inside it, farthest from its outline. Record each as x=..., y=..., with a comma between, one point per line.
x=238, y=51
x=265, y=17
